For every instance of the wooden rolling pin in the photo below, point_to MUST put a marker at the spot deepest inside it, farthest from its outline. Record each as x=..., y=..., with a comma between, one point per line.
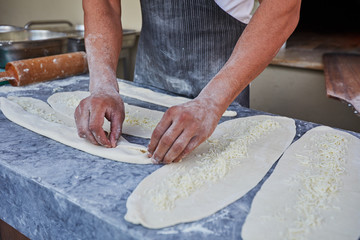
x=23, y=72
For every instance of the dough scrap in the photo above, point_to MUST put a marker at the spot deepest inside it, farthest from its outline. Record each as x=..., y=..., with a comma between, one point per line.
x=157, y=98
x=220, y=171
x=38, y=117
x=313, y=193
x=139, y=122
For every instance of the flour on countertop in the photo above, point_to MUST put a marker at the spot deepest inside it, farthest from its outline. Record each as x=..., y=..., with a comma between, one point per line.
x=39, y=86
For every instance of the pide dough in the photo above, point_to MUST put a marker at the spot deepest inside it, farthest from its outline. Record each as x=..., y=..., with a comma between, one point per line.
x=43, y=110
x=37, y=116
x=157, y=98
x=313, y=193
x=220, y=171
x=139, y=122
x=65, y=103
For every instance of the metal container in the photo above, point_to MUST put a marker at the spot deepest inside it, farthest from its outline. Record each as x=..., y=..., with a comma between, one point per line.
x=126, y=62
x=129, y=38
x=9, y=28
x=26, y=44
x=76, y=39
x=50, y=25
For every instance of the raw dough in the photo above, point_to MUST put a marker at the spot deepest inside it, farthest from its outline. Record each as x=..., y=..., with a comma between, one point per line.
x=157, y=98
x=40, y=118
x=40, y=108
x=66, y=102
x=220, y=171
x=313, y=193
x=138, y=121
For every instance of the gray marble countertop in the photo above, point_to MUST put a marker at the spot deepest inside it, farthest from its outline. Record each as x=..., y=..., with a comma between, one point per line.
x=52, y=191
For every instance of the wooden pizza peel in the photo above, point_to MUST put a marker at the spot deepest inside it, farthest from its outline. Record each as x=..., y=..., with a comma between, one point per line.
x=342, y=76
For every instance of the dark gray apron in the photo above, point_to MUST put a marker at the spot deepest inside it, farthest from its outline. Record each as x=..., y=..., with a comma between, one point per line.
x=184, y=43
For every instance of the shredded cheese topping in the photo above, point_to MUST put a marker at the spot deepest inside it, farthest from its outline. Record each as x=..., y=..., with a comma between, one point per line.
x=320, y=182
x=132, y=118
x=73, y=101
x=33, y=109
x=224, y=153
x=145, y=122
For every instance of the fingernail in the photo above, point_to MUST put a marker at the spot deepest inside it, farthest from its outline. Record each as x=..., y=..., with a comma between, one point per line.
x=150, y=153
x=154, y=161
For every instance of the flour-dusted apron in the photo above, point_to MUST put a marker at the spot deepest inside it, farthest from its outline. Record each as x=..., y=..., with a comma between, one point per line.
x=184, y=43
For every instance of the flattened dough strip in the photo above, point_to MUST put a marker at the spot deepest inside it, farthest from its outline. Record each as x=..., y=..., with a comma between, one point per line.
x=213, y=196
x=279, y=211
x=139, y=122
x=161, y=99
x=124, y=152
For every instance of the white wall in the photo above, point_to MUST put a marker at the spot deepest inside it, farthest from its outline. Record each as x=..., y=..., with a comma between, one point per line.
x=131, y=14
x=19, y=12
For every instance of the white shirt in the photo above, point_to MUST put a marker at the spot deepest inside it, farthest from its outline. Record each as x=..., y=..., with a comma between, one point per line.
x=239, y=9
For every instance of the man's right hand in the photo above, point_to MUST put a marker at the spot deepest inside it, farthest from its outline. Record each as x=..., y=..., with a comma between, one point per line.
x=89, y=117
x=103, y=41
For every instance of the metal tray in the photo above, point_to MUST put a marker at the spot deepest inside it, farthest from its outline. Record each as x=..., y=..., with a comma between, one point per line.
x=76, y=39
x=9, y=28
x=25, y=44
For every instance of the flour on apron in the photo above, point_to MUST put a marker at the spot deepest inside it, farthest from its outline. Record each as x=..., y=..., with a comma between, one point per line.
x=184, y=43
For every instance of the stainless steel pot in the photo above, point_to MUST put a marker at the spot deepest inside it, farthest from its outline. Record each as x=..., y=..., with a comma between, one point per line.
x=28, y=25
x=76, y=39
x=25, y=44
x=9, y=28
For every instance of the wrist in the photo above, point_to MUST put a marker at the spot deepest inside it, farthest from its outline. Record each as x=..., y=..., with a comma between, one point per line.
x=211, y=104
x=104, y=88
x=103, y=83
x=223, y=89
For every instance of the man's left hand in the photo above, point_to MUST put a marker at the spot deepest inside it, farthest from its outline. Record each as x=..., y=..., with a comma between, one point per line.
x=182, y=129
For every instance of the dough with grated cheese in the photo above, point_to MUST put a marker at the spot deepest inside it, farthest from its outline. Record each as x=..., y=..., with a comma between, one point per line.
x=157, y=98
x=313, y=193
x=138, y=121
x=39, y=117
x=220, y=171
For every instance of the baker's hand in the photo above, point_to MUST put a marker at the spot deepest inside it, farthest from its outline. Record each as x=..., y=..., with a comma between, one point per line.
x=89, y=117
x=182, y=129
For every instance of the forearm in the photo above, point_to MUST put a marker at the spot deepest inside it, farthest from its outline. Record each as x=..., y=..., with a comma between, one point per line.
x=271, y=25
x=103, y=40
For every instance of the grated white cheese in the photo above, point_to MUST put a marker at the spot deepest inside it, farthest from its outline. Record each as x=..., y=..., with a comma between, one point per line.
x=132, y=119
x=73, y=102
x=319, y=183
x=224, y=153
x=33, y=109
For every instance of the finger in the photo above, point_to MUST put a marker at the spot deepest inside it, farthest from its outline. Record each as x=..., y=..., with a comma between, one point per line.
x=82, y=122
x=193, y=143
x=178, y=147
x=158, y=132
x=116, y=124
x=166, y=141
x=96, y=122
